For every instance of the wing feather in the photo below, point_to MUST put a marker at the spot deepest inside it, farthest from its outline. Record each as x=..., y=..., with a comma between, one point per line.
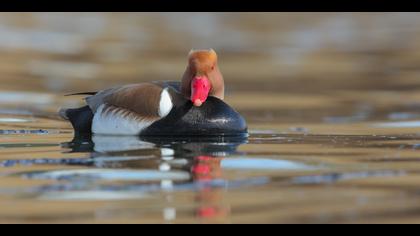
x=142, y=99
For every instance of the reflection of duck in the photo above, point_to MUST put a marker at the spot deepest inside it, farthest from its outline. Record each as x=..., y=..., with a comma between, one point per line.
x=210, y=201
x=192, y=107
x=203, y=164
x=185, y=147
x=125, y=170
x=155, y=153
x=190, y=147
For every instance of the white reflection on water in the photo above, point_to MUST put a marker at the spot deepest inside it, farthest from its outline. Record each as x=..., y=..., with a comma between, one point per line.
x=91, y=195
x=112, y=174
x=263, y=164
x=404, y=124
x=125, y=143
x=26, y=97
x=14, y=120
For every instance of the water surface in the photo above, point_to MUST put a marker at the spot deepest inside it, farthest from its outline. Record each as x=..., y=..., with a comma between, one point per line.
x=329, y=171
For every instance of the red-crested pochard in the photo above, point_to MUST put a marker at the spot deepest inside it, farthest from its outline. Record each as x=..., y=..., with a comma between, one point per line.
x=193, y=106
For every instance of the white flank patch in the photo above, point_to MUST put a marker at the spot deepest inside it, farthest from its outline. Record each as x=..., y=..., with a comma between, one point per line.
x=114, y=123
x=165, y=104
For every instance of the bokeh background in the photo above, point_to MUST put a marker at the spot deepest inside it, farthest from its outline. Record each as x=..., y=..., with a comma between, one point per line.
x=64, y=52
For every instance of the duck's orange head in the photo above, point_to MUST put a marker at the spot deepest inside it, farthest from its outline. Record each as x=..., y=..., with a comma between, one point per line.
x=202, y=77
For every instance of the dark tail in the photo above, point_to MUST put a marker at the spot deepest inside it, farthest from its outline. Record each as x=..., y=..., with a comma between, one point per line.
x=80, y=118
x=83, y=93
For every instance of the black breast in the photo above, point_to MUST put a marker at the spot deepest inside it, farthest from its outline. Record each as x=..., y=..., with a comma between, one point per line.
x=213, y=118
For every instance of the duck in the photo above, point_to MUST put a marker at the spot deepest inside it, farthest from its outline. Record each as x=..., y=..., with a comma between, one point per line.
x=193, y=106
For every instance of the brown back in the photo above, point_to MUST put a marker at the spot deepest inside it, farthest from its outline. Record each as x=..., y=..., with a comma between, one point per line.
x=142, y=99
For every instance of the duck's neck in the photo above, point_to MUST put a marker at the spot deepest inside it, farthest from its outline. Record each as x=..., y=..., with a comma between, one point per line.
x=218, y=84
x=186, y=82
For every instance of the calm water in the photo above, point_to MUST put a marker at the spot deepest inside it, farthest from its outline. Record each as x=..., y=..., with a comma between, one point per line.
x=344, y=169
x=332, y=103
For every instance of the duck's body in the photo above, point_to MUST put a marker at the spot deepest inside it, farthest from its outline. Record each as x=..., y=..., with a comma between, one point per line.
x=191, y=107
x=150, y=109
